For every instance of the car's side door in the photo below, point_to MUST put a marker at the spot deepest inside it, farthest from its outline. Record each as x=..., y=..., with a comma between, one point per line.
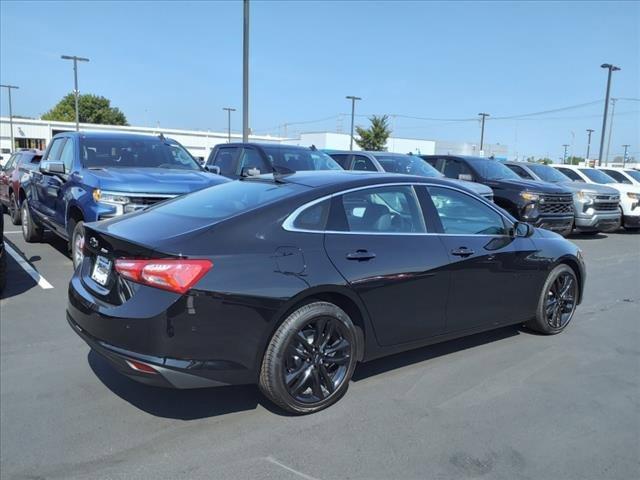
x=6, y=173
x=378, y=240
x=43, y=179
x=61, y=185
x=495, y=279
x=226, y=159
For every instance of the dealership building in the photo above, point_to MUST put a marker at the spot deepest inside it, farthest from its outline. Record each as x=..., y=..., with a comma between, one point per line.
x=32, y=133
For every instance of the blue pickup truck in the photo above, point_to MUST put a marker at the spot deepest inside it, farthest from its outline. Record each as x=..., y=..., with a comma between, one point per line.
x=86, y=177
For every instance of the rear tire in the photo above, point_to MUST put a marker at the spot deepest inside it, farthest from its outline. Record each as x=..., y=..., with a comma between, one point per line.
x=557, y=302
x=30, y=231
x=14, y=210
x=76, y=242
x=310, y=359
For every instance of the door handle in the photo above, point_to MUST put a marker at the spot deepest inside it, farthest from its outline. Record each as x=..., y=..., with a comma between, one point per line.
x=361, y=255
x=462, y=252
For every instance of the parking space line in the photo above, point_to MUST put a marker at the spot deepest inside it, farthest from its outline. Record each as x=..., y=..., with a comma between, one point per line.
x=28, y=268
x=13, y=231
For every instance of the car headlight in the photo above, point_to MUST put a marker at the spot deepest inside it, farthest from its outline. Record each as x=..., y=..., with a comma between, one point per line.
x=529, y=196
x=111, y=198
x=633, y=196
x=585, y=197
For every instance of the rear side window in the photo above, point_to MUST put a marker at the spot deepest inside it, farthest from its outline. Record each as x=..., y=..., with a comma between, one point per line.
x=392, y=209
x=456, y=169
x=227, y=200
x=571, y=174
x=342, y=159
x=462, y=214
x=314, y=217
x=617, y=176
x=362, y=163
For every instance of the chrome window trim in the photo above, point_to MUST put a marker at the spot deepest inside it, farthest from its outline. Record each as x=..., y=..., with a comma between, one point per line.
x=289, y=221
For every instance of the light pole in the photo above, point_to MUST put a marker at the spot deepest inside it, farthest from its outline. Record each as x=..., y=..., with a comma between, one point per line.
x=75, y=81
x=589, y=132
x=353, y=113
x=483, y=115
x=229, y=110
x=611, y=68
x=245, y=73
x=624, y=158
x=564, y=157
x=613, y=116
x=9, y=88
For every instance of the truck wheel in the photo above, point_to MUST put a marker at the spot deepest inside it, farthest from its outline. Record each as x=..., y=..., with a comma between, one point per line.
x=557, y=302
x=14, y=211
x=30, y=231
x=310, y=359
x=76, y=242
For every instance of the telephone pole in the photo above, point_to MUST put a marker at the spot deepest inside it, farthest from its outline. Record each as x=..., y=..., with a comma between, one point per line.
x=229, y=110
x=611, y=68
x=564, y=157
x=589, y=132
x=624, y=158
x=245, y=73
x=483, y=115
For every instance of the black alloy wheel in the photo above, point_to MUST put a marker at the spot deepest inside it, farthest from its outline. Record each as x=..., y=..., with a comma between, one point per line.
x=558, y=301
x=310, y=359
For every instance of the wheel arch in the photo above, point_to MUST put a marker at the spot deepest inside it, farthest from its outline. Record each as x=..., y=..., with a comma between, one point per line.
x=575, y=266
x=75, y=213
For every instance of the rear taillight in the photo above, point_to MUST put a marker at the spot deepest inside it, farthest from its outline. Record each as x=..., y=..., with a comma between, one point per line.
x=176, y=275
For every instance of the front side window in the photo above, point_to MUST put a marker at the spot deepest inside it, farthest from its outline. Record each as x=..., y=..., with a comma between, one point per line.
x=54, y=152
x=362, y=163
x=408, y=165
x=341, y=158
x=462, y=214
x=66, y=156
x=456, y=169
x=224, y=160
x=300, y=159
x=571, y=174
x=549, y=174
x=250, y=159
x=617, y=176
x=392, y=209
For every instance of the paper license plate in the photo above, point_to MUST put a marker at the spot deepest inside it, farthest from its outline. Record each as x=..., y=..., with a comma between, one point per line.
x=101, y=270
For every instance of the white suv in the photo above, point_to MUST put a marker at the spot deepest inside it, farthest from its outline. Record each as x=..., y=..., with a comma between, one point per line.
x=623, y=175
x=629, y=193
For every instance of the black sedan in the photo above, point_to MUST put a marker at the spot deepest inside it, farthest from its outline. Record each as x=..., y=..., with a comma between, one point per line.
x=288, y=281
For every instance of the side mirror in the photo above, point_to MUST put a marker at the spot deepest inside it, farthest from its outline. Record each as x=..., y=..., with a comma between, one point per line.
x=213, y=169
x=465, y=176
x=250, y=172
x=52, y=167
x=521, y=229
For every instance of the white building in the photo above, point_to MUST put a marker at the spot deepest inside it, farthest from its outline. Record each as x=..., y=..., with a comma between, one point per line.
x=31, y=133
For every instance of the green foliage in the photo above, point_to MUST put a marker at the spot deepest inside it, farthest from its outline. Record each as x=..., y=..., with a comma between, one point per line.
x=544, y=161
x=574, y=160
x=375, y=137
x=91, y=109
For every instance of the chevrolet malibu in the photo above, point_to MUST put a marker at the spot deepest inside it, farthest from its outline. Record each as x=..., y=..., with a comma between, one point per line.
x=289, y=281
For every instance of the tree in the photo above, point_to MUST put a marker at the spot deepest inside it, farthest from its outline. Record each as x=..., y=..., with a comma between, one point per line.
x=574, y=160
x=91, y=109
x=544, y=161
x=375, y=137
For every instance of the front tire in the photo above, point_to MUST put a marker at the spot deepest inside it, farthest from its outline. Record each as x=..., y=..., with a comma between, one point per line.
x=14, y=210
x=30, y=231
x=76, y=242
x=310, y=359
x=557, y=302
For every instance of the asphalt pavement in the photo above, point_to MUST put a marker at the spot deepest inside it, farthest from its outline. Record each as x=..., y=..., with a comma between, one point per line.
x=507, y=404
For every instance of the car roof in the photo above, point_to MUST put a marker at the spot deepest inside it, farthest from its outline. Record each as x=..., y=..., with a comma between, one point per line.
x=112, y=135
x=264, y=144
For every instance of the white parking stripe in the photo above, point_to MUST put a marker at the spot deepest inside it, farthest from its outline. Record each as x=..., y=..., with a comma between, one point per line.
x=28, y=268
x=13, y=231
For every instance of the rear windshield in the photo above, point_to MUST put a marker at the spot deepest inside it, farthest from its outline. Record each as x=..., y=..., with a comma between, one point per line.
x=135, y=152
x=549, y=174
x=300, y=159
x=229, y=199
x=407, y=164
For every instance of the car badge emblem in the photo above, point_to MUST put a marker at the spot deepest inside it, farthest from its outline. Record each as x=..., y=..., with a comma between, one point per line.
x=93, y=242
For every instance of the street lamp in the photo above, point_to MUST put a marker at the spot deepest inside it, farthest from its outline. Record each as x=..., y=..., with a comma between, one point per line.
x=245, y=73
x=483, y=115
x=353, y=112
x=75, y=81
x=564, y=157
x=589, y=132
x=229, y=110
x=9, y=88
x=624, y=158
x=611, y=68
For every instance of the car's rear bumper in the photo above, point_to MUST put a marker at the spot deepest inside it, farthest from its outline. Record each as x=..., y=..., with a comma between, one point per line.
x=169, y=372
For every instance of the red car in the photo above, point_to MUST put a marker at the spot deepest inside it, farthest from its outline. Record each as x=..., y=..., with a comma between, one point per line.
x=15, y=172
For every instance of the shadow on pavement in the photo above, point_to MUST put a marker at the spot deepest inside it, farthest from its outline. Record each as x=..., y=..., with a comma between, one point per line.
x=587, y=236
x=179, y=404
x=18, y=281
x=399, y=360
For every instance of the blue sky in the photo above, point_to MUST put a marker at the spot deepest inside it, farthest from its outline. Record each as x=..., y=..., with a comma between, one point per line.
x=179, y=63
